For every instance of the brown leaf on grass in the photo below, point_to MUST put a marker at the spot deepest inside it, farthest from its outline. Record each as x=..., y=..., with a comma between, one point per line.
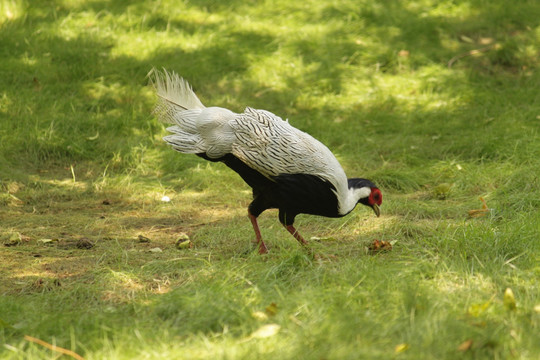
x=143, y=239
x=379, y=246
x=466, y=345
x=84, y=244
x=404, y=53
x=271, y=309
x=479, y=212
x=25, y=238
x=486, y=40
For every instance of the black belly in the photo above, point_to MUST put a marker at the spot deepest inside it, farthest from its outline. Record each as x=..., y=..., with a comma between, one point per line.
x=292, y=194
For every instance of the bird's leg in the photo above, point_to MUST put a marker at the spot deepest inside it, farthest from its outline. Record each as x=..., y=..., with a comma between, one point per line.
x=262, y=246
x=287, y=219
x=296, y=234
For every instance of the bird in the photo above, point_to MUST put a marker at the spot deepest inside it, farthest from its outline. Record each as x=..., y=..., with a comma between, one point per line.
x=286, y=168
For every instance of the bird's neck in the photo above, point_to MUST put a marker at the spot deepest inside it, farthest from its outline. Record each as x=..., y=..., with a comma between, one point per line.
x=348, y=199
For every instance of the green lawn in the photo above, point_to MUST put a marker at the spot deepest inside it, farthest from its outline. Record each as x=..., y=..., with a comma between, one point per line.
x=438, y=102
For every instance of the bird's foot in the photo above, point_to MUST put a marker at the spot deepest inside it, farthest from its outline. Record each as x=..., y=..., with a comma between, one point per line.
x=263, y=249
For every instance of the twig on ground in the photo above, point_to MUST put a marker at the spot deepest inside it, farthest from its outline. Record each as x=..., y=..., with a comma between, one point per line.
x=54, y=347
x=470, y=53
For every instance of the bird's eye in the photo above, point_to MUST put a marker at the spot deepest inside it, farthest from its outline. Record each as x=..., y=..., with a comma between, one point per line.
x=376, y=196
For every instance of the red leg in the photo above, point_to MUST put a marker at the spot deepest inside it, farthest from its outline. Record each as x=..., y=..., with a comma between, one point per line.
x=296, y=234
x=262, y=246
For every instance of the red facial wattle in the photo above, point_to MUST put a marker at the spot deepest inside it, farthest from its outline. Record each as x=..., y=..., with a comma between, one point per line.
x=375, y=197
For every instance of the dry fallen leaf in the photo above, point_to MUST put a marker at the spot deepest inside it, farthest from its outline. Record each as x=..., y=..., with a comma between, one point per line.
x=265, y=331
x=466, y=345
x=259, y=315
x=486, y=40
x=466, y=39
x=271, y=309
x=46, y=241
x=84, y=243
x=401, y=348
x=480, y=212
x=378, y=246
x=143, y=239
x=404, y=53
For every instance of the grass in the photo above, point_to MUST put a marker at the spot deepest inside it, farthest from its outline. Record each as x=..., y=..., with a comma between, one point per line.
x=81, y=157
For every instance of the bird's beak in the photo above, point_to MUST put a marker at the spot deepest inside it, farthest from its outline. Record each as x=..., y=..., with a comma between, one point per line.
x=376, y=209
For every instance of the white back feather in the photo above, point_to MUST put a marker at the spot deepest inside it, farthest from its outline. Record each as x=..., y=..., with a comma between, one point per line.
x=262, y=140
x=272, y=146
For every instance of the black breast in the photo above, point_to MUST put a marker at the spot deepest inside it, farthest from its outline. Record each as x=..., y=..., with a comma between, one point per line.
x=292, y=194
x=305, y=194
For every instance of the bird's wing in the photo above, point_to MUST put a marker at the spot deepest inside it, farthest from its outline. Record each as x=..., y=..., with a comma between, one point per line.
x=273, y=147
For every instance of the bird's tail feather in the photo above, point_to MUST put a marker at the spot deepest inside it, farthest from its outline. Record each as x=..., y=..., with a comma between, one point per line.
x=185, y=142
x=175, y=96
x=185, y=120
x=178, y=105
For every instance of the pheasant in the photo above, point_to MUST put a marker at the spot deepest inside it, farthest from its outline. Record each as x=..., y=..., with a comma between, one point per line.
x=287, y=169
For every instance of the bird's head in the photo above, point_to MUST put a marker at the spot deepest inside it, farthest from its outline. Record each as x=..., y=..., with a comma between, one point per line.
x=368, y=193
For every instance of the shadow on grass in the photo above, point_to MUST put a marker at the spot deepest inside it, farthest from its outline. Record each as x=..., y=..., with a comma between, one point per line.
x=44, y=60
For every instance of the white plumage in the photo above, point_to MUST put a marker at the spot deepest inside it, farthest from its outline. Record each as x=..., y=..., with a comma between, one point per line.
x=262, y=140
